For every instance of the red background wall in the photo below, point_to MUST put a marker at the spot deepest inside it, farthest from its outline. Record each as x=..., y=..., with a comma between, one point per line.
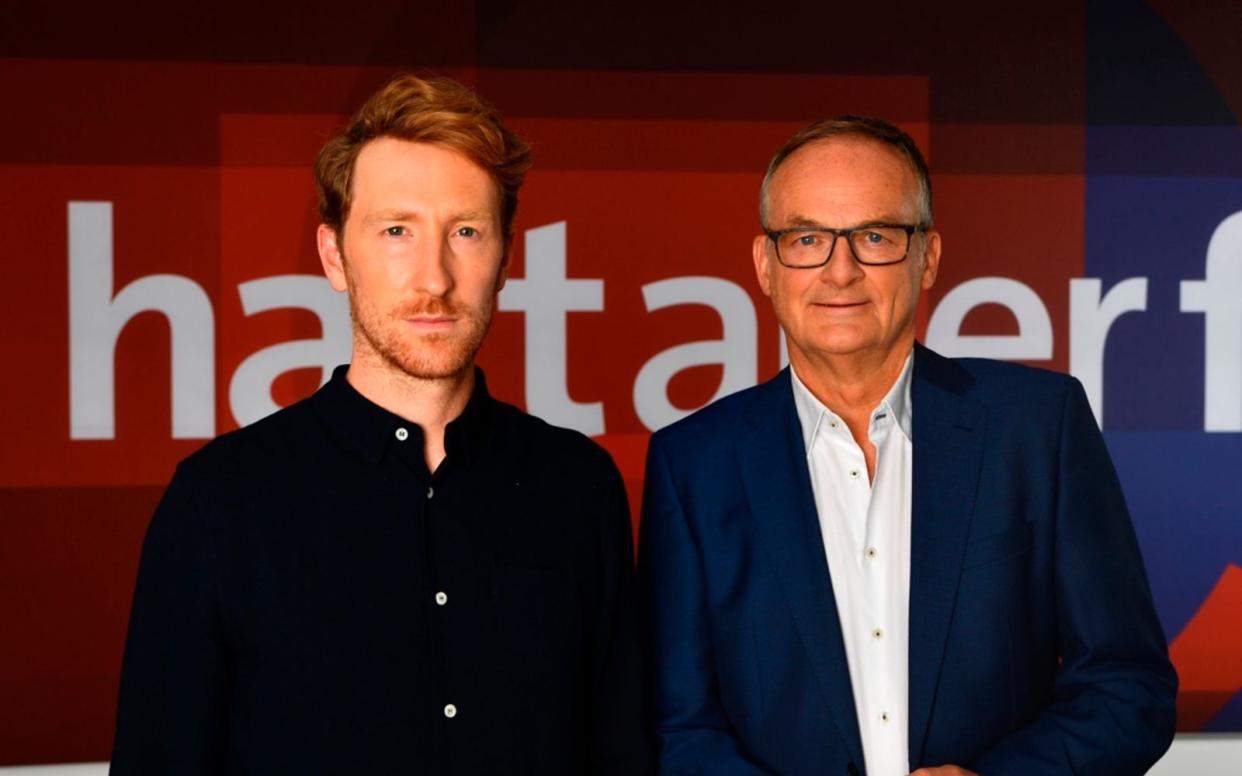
x=651, y=127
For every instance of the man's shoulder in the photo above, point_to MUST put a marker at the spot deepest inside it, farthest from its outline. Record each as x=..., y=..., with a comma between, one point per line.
x=994, y=380
x=1025, y=399
x=541, y=441
x=982, y=377
x=722, y=419
x=1011, y=372
x=256, y=449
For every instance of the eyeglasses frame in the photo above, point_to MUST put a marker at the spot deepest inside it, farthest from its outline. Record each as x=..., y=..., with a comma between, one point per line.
x=909, y=229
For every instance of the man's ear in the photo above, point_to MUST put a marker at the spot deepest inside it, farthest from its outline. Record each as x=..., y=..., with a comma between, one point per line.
x=759, y=251
x=331, y=256
x=931, y=260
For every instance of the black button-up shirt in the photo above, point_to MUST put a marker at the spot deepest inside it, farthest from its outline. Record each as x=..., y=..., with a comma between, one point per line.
x=311, y=599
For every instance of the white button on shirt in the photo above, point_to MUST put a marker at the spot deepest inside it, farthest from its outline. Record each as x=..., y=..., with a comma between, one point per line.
x=866, y=532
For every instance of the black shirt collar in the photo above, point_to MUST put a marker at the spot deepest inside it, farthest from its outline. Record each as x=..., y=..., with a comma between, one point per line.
x=374, y=431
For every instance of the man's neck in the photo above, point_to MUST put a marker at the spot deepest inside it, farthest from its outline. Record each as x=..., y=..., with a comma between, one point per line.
x=851, y=385
x=430, y=403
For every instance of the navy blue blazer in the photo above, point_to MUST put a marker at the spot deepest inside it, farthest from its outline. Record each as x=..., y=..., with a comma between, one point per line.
x=1034, y=645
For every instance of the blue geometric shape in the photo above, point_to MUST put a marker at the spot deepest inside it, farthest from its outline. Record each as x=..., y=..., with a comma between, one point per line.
x=1157, y=228
x=1149, y=151
x=1184, y=491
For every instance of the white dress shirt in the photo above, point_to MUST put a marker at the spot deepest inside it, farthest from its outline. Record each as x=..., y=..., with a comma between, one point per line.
x=866, y=531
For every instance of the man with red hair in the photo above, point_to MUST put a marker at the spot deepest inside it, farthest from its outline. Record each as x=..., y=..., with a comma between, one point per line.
x=400, y=574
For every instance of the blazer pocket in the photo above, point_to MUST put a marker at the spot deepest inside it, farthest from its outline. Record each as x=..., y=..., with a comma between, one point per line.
x=1011, y=542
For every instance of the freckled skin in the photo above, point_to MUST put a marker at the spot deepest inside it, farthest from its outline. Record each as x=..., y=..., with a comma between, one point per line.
x=423, y=259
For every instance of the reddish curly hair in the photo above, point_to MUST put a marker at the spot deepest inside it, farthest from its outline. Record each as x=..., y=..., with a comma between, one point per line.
x=426, y=110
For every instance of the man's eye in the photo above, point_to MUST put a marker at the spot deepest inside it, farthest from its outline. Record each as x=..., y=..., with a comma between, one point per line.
x=467, y=231
x=394, y=231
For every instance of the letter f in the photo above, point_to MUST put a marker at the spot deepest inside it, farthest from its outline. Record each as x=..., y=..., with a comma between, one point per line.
x=1216, y=296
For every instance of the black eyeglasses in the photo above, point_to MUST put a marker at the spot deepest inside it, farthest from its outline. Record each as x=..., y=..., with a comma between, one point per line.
x=807, y=247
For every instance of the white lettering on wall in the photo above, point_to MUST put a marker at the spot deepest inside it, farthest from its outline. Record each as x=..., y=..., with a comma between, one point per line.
x=1090, y=320
x=1219, y=297
x=546, y=296
x=96, y=319
x=1033, y=341
x=250, y=392
x=735, y=350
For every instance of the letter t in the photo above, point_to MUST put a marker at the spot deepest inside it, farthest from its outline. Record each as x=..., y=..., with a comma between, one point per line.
x=546, y=296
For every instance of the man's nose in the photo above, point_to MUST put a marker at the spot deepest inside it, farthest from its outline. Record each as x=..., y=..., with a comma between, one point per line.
x=842, y=268
x=433, y=268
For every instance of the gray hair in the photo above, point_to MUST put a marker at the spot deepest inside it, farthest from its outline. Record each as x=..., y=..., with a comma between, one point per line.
x=856, y=126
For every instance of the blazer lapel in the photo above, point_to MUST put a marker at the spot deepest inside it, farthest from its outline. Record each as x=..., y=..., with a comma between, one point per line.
x=948, y=451
x=778, y=487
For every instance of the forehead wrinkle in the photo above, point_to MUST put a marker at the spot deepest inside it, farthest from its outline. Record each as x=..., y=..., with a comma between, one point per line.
x=798, y=219
x=843, y=149
x=872, y=215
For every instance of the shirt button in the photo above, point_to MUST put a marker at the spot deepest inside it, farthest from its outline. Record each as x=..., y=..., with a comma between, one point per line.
x=832, y=423
x=402, y=435
x=883, y=715
x=441, y=599
x=450, y=711
x=854, y=474
x=872, y=552
x=878, y=633
x=430, y=491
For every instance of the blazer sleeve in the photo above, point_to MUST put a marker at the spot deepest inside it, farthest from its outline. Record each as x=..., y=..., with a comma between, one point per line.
x=174, y=676
x=1112, y=710
x=692, y=731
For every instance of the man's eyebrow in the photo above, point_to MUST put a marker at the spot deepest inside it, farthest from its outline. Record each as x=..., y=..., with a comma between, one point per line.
x=473, y=215
x=391, y=215
x=407, y=215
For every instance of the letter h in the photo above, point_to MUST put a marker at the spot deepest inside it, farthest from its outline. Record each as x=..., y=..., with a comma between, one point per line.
x=96, y=319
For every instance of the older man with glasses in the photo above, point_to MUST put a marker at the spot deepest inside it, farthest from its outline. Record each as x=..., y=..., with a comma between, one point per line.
x=883, y=559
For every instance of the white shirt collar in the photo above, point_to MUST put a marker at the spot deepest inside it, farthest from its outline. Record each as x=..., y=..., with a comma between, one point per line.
x=812, y=413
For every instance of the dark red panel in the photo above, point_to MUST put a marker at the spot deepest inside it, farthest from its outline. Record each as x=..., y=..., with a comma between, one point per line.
x=67, y=566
